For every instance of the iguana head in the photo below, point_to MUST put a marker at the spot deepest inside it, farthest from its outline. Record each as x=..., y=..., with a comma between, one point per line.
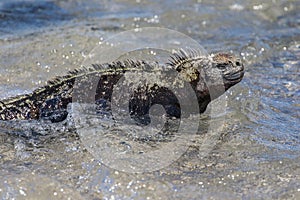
x=210, y=76
x=230, y=67
x=218, y=69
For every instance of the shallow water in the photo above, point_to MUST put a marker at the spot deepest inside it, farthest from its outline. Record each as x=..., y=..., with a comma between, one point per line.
x=256, y=153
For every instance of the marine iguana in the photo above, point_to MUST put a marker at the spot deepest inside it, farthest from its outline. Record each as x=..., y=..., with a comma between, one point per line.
x=50, y=101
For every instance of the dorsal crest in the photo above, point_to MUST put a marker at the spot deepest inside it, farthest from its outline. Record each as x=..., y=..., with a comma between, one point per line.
x=179, y=58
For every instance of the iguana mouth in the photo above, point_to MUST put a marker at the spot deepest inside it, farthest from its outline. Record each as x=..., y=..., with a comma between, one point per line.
x=235, y=76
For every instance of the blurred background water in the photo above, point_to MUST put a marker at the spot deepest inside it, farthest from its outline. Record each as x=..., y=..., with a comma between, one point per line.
x=257, y=156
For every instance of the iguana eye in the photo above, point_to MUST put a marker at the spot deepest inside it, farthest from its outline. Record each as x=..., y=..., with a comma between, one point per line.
x=221, y=66
x=237, y=63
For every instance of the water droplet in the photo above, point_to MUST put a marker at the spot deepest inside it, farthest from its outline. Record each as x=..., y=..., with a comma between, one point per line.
x=258, y=7
x=237, y=7
x=22, y=192
x=136, y=19
x=152, y=52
